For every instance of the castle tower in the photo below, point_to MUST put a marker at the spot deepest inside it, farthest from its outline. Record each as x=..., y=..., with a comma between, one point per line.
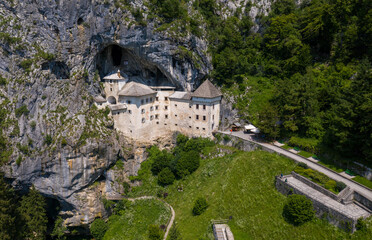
x=114, y=82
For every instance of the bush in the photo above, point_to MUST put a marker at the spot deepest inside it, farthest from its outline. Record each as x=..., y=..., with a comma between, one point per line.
x=3, y=81
x=155, y=233
x=308, y=144
x=33, y=124
x=21, y=110
x=98, y=229
x=303, y=165
x=161, y=160
x=187, y=163
x=361, y=225
x=121, y=206
x=298, y=209
x=26, y=65
x=200, y=206
x=330, y=185
x=166, y=177
x=226, y=138
x=48, y=140
x=340, y=186
x=64, y=142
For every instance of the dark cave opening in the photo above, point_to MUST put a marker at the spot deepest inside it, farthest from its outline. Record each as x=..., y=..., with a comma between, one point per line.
x=80, y=21
x=116, y=55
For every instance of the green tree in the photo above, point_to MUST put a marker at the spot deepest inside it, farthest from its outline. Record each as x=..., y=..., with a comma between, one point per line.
x=161, y=160
x=98, y=228
x=33, y=214
x=298, y=209
x=166, y=177
x=187, y=163
x=200, y=206
x=59, y=229
x=155, y=233
x=7, y=211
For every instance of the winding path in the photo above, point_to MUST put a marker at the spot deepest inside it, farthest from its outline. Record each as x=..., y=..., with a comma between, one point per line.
x=320, y=168
x=170, y=222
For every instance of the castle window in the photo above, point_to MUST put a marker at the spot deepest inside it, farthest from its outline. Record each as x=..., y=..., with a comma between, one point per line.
x=166, y=98
x=157, y=98
x=147, y=100
x=150, y=99
x=110, y=81
x=129, y=102
x=197, y=128
x=166, y=116
x=151, y=117
x=175, y=105
x=190, y=106
x=157, y=116
x=213, y=106
x=197, y=117
x=166, y=107
x=176, y=124
x=189, y=117
x=157, y=122
x=213, y=117
x=175, y=115
x=130, y=111
x=142, y=101
x=165, y=124
x=203, y=129
x=189, y=126
x=156, y=107
x=204, y=107
x=197, y=106
x=204, y=118
x=151, y=108
x=111, y=89
x=143, y=110
x=143, y=120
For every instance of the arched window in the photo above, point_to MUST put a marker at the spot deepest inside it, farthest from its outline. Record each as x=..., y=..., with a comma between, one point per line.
x=111, y=100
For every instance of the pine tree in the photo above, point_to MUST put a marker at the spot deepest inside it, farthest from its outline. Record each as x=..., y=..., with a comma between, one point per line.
x=33, y=214
x=7, y=211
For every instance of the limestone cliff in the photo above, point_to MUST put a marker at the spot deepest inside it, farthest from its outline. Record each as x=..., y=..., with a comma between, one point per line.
x=52, y=56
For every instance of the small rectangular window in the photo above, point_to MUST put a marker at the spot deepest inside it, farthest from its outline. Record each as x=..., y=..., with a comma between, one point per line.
x=143, y=120
x=111, y=89
x=156, y=107
x=130, y=111
x=143, y=110
x=166, y=98
x=213, y=117
x=157, y=98
x=197, y=106
x=151, y=108
x=203, y=129
x=147, y=100
x=190, y=106
x=197, y=128
x=166, y=116
x=166, y=107
x=189, y=117
x=129, y=102
x=189, y=126
x=176, y=124
x=213, y=106
x=151, y=117
x=157, y=116
x=175, y=105
x=157, y=122
x=204, y=107
x=175, y=115
x=110, y=81
x=150, y=99
x=142, y=101
x=204, y=118
x=197, y=117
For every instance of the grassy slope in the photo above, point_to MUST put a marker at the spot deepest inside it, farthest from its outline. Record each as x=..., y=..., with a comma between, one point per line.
x=134, y=223
x=242, y=186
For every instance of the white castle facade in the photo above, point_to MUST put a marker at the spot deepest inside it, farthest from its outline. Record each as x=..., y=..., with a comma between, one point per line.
x=145, y=112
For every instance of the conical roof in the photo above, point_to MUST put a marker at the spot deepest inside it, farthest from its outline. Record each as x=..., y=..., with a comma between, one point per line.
x=135, y=89
x=206, y=90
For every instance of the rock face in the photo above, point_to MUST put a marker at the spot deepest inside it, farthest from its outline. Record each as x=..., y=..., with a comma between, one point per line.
x=53, y=54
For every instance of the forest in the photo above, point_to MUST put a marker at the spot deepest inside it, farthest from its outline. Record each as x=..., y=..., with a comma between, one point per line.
x=305, y=75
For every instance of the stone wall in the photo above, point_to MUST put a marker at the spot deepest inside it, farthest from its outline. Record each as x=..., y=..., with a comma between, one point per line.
x=363, y=200
x=315, y=186
x=334, y=217
x=241, y=144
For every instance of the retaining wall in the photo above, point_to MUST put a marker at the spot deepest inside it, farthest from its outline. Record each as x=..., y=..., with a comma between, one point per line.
x=242, y=144
x=334, y=217
x=363, y=200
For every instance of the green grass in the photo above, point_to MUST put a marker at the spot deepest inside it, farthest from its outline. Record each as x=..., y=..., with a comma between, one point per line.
x=363, y=180
x=331, y=166
x=305, y=154
x=285, y=146
x=241, y=185
x=136, y=220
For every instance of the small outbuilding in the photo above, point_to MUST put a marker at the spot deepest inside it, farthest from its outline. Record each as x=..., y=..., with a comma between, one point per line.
x=236, y=126
x=250, y=128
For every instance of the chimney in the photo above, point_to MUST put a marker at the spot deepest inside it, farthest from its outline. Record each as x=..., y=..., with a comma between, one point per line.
x=119, y=73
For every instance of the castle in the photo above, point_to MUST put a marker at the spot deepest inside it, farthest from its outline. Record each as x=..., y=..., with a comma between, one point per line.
x=145, y=112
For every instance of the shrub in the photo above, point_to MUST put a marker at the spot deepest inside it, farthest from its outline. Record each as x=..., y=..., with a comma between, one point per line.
x=161, y=160
x=187, y=163
x=26, y=65
x=340, y=186
x=166, y=177
x=98, y=228
x=121, y=206
x=200, y=206
x=303, y=165
x=19, y=160
x=361, y=225
x=3, y=81
x=308, y=144
x=330, y=185
x=155, y=233
x=298, y=209
x=33, y=124
x=48, y=140
x=226, y=138
x=21, y=110
x=126, y=187
x=64, y=142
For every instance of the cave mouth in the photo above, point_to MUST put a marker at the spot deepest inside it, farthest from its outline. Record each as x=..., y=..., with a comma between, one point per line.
x=114, y=57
